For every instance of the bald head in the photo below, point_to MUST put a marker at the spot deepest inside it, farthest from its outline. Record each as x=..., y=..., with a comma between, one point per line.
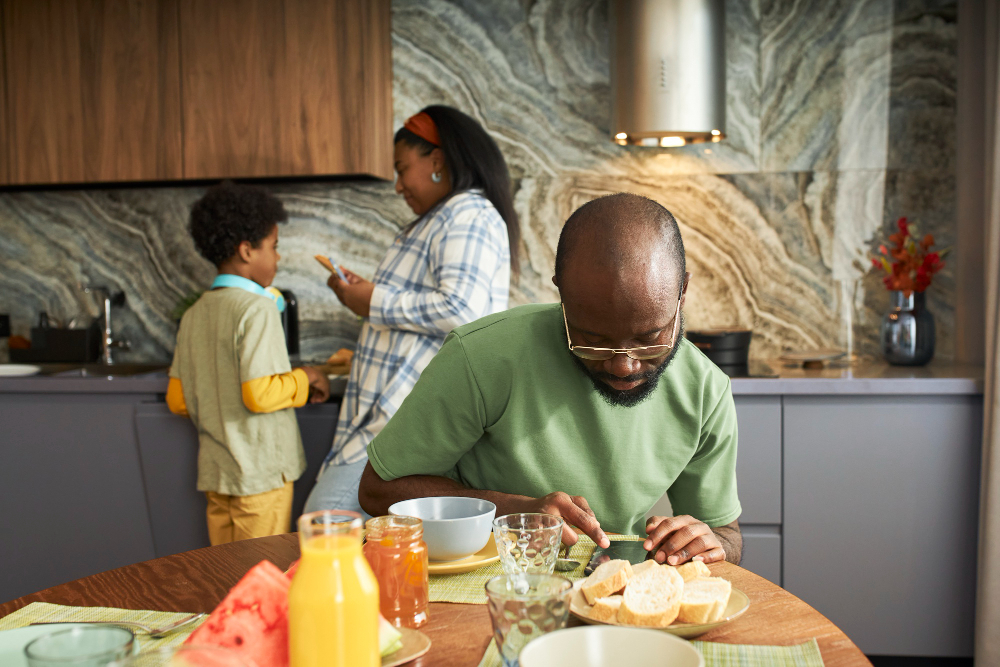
x=624, y=236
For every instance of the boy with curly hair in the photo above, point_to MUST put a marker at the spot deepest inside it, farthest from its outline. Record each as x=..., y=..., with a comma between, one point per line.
x=231, y=373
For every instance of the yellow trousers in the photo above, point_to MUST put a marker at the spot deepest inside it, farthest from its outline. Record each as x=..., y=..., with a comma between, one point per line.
x=232, y=518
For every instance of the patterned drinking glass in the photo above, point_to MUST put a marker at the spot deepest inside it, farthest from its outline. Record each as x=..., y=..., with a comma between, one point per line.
x=525, y=606
x=82, y=646
x=528, y=542
x=188, y=655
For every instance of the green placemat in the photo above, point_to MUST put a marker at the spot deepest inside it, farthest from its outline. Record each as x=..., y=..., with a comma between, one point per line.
x=469, y=587
x=37, y=612
x=728, y=655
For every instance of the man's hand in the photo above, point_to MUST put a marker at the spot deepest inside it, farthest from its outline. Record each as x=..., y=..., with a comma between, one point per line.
x=575, y=512
x=356, y=293
x=319, y=385
x=678, y=539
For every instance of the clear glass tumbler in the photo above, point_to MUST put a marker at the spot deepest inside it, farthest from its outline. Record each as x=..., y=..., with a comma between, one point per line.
x=528, y=542
x=82, y=646
x=189, y=655
x=524, y=606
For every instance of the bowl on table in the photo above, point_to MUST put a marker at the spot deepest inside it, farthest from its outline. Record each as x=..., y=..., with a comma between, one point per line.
x=454, y=527
x=599, y=645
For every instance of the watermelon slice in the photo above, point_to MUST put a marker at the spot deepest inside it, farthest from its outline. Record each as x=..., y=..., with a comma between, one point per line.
x=252, y=619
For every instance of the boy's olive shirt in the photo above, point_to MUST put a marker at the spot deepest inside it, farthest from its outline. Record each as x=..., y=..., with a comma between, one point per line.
x=505, y=407
x=228, y=337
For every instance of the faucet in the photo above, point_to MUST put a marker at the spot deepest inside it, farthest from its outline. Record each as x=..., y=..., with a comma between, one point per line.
x=108, y=341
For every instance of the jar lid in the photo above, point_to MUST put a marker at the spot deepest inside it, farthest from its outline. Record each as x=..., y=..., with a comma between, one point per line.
x=393, y=526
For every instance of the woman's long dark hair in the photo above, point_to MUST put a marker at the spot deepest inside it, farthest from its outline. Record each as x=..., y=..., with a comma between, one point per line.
x=474, y=161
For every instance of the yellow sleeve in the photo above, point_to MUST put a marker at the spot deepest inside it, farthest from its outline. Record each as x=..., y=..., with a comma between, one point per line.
x=276, y=392
x=175, y=398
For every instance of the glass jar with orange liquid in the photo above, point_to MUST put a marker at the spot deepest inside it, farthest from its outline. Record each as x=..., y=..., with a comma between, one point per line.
x=395, y=549
x=333, y=601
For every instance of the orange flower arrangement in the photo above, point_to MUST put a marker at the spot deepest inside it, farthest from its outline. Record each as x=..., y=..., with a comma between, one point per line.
x=909, y=265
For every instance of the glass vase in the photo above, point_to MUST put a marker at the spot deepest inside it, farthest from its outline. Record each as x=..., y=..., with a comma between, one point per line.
x=907, y=330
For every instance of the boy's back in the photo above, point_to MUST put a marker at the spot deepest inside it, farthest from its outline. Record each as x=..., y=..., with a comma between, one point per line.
x=228, y=337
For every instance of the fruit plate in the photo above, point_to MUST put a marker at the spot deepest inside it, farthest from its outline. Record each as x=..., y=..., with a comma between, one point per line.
x=484, y=556
x=415, y=644
x=738, y=603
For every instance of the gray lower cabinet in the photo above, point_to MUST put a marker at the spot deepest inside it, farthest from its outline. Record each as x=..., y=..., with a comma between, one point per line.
x=71, y=489
x=168, y=445
x=881, y=496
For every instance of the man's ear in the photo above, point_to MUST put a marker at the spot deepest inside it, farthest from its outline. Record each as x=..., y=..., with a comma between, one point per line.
x=243, y=250
x=555, y=282
x=687, y=281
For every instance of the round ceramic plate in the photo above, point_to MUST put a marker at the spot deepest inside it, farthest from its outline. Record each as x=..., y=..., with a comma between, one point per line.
x=484, y=556
x=18, y=370
x=415, y=644
x=12, y=642
x=738, y=603
x=804, y=356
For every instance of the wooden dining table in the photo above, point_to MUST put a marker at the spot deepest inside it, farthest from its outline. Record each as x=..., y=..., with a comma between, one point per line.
x=196, y=581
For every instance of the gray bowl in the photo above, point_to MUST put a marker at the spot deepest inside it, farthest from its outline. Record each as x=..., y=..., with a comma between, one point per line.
x=454, y=527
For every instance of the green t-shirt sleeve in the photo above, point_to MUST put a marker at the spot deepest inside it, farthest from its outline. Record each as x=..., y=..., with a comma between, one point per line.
x=261, y=343
x=706, y=489
x=438, y=422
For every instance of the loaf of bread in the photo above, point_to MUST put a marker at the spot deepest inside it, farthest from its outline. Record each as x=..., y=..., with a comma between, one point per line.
x=652, y=600
x=606, y=609
x=704, y=600
x=692, y=570
x=607, y=579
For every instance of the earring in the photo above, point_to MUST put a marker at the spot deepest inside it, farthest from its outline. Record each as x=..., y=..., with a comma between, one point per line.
x=436, y=177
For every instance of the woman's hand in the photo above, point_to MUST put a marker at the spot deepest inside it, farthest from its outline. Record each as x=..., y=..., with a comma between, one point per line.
x=356, y=293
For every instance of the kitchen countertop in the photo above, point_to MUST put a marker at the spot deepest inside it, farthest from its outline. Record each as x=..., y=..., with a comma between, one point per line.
x=860, y=378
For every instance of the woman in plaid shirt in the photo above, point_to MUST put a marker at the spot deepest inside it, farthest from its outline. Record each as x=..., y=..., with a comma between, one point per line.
x=448, y=267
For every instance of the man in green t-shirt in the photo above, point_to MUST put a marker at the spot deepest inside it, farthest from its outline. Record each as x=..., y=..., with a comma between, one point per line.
x=590, y=409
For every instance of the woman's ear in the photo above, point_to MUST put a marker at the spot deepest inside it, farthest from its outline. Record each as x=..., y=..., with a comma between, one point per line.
x=437, y=160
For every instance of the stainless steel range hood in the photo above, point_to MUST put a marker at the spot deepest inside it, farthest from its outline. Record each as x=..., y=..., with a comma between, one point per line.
x=668, y=71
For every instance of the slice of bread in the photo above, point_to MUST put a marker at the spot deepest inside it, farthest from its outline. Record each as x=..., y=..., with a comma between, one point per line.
x=606, y=579
x=643, y=567
x=704, y=600
x=652, y=600
x=693, y=569
x=606, y=609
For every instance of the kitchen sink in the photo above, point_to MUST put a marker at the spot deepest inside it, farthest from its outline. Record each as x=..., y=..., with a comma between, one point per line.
x=110, y=370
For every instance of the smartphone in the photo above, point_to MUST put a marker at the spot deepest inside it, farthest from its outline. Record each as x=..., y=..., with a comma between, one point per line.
x=331, y=266
x=623, y=550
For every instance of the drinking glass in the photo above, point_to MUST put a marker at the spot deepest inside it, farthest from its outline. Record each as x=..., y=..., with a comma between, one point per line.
x=524, y=606
x=189, y=655
x=528, y=542
x=84, y=646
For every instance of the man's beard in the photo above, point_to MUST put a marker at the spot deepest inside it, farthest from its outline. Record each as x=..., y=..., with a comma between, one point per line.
x=630, y=398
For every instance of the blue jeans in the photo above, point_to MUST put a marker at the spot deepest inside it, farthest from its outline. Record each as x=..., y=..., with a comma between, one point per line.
x=337, y=489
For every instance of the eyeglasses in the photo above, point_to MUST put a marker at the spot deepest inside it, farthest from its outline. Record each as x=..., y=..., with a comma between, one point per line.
x=641, y=353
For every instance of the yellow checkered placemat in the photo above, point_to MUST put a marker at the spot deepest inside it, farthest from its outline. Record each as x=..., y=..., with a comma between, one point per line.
x=728, y=655
x=469, y=587
x=44, y=612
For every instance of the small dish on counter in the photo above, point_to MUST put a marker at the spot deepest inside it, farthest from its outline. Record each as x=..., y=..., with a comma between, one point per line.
x=18, y=370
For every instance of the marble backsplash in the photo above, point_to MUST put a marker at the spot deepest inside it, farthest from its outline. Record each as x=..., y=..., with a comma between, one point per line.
x=840, y=118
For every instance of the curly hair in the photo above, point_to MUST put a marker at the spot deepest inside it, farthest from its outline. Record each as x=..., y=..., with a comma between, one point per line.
x=230, y=213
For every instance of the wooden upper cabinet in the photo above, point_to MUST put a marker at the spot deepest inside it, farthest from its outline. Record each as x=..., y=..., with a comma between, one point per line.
x=3, y=108
x=286, y=88
x=93, y=90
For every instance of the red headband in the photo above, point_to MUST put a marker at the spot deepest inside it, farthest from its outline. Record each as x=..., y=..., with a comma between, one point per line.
x=423, y=126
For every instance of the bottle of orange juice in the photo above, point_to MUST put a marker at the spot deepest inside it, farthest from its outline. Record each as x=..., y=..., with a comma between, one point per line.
x=333, y=603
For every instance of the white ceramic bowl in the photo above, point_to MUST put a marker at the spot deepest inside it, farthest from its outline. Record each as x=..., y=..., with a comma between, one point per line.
x=601, y=645
x=454, y=527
